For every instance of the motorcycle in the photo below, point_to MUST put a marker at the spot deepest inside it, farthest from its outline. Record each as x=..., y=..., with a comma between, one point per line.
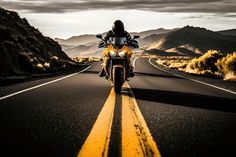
x=117, y=52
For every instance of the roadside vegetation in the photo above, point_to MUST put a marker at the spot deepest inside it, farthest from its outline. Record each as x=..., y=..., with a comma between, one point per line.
x=84, y=60
x=38, y=64
x=25, y=51
x=212, y=64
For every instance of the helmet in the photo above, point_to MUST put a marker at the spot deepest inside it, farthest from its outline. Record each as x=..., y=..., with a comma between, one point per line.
x=118, y=27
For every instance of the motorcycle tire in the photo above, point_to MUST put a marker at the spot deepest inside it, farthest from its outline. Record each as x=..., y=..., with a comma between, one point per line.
x=117, y=80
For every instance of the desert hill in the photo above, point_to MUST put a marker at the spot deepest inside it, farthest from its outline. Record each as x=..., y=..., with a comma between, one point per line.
x=24, y=50
x=77, y=40
x=84, y=45
x=231, y=32
x=191, y=40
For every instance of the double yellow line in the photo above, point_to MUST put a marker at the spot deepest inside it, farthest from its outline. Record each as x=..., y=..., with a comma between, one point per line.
x=97, y=143
x=136, y=141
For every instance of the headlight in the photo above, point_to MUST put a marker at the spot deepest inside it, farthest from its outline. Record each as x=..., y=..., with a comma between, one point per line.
x=112, y=53
x=121, y=53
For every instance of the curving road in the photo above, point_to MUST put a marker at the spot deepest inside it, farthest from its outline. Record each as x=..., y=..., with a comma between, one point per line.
x=54, y=116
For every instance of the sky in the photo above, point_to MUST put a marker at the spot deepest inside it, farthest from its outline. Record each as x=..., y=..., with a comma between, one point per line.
x=66, y=18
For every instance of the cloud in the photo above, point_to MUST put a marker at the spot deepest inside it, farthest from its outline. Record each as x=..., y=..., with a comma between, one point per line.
x=60, y=6
x=230, y=15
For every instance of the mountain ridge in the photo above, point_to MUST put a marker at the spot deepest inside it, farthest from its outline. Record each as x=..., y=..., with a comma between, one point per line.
x=195, y=39
x=92, y=42
x=187, y=40
x=231, y=32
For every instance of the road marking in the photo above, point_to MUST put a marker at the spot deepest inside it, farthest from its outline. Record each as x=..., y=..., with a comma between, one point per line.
x=226, y=90
x=31, y=88
x=136, y=137
x=97, y=143
x=134, y=61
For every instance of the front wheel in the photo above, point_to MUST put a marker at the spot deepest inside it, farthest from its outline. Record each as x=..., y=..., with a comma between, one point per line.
x=117, y=80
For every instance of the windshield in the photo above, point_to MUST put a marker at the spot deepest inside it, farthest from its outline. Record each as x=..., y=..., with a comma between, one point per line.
x=117, y=41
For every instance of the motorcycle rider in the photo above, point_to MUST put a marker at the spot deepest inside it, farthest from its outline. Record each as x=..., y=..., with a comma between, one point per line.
x=117, y=31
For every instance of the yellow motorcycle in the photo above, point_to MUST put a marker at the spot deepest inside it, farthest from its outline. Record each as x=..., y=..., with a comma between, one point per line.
x=117, y=53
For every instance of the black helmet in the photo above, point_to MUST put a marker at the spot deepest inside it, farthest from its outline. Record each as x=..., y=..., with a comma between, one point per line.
x=118, y=27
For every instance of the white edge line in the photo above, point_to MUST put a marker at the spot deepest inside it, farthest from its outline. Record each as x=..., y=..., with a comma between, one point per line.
x=31, y=88
x=134, y=62
x=226, y=90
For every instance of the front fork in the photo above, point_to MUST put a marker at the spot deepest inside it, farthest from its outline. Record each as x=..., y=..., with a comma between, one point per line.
x=118, y=67
x=108, y=63
x=105, y=65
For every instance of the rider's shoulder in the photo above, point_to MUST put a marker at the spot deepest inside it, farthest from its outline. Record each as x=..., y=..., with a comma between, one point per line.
x=126, y=33
x=110, y=32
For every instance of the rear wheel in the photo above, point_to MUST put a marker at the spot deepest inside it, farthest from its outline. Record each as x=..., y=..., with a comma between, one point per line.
x=117, y=80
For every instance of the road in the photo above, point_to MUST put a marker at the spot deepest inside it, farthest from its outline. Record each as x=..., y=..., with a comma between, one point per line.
x=56, y=116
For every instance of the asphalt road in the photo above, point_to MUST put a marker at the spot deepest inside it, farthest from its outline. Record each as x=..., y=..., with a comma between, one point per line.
x=185, y=118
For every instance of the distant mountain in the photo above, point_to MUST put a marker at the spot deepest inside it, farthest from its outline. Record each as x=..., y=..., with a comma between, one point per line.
x=87, y=39
x=158, y=31
x=192, y=40
x=90, y=49
x=83, y=50
x=148, y=40
x=24, y=50
x=84, y=45
x=231, y=32
x=78, y=40
x=183, y=41
x=59, y=40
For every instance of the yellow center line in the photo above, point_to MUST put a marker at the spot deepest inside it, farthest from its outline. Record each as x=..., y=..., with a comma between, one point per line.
x=97, y=143
x=136, y=138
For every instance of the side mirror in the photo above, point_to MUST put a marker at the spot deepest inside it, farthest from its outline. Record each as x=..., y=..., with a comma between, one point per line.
x=99, y=36
x=102, y=44
x=136, y=36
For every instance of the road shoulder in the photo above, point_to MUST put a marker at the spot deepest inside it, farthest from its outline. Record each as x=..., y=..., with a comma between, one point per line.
x=228, y=85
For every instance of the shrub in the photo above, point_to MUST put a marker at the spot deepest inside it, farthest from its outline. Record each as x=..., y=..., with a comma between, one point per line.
x=39, y=66
x=204, y=64
x=54, y=58
x=46, y=65
x=211, y=63
x=5, y=33
x=227, y=66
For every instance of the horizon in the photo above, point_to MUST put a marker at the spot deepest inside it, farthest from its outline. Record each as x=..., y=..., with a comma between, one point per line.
x=64, y=19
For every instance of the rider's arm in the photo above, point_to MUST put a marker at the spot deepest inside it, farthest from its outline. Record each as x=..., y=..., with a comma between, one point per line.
x=127, y=35
x=108, y=35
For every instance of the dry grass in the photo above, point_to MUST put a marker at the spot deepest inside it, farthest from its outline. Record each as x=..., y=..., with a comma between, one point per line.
x=54, y=58
x=174, y=62
x=212, y=63
x=83, y=60
x=46, y=65
x=39, y=66
x=227, y=66
x=204, y=65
